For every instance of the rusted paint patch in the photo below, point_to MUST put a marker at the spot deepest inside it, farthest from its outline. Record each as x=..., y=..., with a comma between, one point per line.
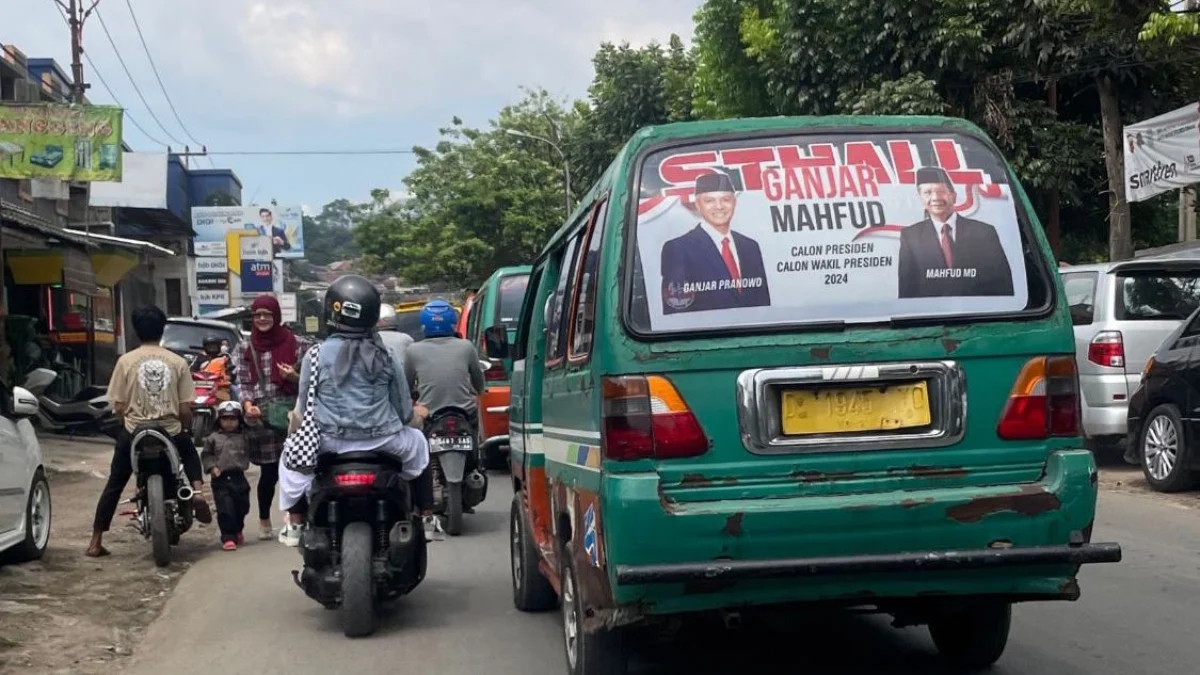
x=810, y=476
x=949, y=345
x=733, y=525
x=1032, y=500
x=694, y=480
x=821, y=353
x=919, y=471
x=668, y=506
x=914, y=503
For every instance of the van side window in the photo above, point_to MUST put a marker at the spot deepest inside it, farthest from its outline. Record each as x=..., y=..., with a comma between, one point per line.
x=525, y=331
x=474, y=318
x=1081, y=296
x=582, y=333
x=556, y=328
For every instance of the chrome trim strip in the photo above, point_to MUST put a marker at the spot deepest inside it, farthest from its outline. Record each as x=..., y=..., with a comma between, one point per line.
x=759, y=411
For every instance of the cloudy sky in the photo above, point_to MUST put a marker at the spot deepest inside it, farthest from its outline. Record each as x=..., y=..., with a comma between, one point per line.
x=246, y=75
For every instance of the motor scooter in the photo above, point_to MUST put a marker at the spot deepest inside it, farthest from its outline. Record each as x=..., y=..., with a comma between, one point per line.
x=210, y=392
x=459, y=484
x=164, y=494
x=87, y=412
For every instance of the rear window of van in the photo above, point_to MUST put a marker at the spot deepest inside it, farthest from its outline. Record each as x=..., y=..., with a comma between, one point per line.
x=858, y=228
x=1157, y=296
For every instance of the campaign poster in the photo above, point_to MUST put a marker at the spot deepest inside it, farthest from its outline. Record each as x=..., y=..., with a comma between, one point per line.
x=858, y=228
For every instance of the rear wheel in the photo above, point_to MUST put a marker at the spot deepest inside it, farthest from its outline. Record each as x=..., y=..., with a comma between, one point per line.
x=454, y=508
x=200, y=427
x=358, y=583
x=531, y=591
x=1166, y=459
x=603, y=652
x=156, y=509
x=973, y=638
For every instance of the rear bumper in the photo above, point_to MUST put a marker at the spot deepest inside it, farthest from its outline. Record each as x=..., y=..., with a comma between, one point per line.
x=722, y=545
x=1105, y=403
x=496, y=444
x=740, y=570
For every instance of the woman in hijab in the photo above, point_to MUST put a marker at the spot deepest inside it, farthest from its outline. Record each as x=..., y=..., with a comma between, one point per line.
x=362, y=401
x=268, y=381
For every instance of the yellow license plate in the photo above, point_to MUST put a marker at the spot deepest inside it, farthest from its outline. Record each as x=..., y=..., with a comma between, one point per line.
x=840, y=411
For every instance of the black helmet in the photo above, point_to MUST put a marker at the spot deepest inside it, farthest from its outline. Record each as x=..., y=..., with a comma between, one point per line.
x=212, y=344
x=352, y=305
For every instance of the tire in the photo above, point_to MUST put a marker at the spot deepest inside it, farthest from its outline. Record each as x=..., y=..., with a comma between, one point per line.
x=37, y=523
x=531, y=591
x=604, y=652
x=200, y=429
x=454, y=509
x=974, y=638
x=156, y=506
x=358, y=582
x=1166, y=458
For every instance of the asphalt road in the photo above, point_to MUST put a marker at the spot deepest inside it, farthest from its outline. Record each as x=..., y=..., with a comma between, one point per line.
x=239, y=614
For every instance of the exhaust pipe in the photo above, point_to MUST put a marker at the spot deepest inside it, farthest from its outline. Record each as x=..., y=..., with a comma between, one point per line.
x=475, y=481
x=185, y=493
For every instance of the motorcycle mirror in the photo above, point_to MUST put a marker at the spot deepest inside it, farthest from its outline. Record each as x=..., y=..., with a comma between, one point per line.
x=25, y=404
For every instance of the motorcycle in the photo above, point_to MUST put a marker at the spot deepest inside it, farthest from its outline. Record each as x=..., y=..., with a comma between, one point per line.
x=362, y=542
x=208, y=395
x=88, y=411
x=164, y=494
x=459, y=484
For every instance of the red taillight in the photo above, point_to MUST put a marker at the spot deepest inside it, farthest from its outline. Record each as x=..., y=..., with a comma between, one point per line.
x=1107, y=349
x=496, y=372
x=354, y=480
x=1044, y=401
x=646, y=418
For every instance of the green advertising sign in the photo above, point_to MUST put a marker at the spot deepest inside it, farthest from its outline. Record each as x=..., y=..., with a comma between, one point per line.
x=68, y=142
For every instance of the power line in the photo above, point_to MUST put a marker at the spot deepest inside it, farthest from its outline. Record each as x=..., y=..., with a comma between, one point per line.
x=107, y=88
x=157, y=76
x=313, y=152
x=128, y=74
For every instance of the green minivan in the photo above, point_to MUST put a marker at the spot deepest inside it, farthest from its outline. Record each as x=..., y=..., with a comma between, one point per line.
x=783, y=362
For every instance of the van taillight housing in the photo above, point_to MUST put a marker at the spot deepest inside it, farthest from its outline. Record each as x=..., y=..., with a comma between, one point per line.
x=495, y=372
x=646, y=418
x=1107, y=349
x=1044, y=401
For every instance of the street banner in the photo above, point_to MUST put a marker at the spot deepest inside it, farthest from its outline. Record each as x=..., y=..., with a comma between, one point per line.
x=54, y=140
x=1162, y=153
x=283, y=226
x=854, y=228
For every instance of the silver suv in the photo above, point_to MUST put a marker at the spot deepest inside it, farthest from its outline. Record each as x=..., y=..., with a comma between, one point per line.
x=1122, y=312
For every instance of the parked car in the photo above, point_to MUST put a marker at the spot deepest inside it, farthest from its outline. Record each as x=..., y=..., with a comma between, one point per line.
x=24, y=490
x=1121, y=313
x=185, y=336
x=498, y=302
x=1163, y=431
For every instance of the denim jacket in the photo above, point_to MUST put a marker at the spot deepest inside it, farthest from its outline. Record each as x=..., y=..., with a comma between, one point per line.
x=358, y=409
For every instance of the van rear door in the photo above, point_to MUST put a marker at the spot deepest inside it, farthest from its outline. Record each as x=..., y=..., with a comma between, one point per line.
x=833, y=311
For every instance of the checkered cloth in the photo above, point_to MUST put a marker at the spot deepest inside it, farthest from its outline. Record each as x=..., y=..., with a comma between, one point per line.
x=301, y=447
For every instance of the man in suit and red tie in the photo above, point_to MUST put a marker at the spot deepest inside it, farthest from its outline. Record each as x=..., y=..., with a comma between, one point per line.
x=947, y=255
x=712, y=267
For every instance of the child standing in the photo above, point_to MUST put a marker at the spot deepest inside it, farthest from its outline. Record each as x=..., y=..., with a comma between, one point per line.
x=226, y=458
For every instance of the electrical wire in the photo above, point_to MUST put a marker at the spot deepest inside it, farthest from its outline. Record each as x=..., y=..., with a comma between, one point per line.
x=128, y=74
x=154, y=67
x=104, y=83
x=312, y=152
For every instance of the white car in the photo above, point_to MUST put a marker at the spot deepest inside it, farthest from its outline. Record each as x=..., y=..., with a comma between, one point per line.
x=24, y=490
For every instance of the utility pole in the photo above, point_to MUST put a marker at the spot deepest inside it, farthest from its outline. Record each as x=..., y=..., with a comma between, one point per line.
x=76, y=16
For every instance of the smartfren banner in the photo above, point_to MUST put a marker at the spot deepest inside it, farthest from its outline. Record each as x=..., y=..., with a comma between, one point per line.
x=1162, y=153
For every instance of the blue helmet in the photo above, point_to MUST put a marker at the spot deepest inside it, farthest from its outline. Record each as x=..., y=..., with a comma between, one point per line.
x=438, y=319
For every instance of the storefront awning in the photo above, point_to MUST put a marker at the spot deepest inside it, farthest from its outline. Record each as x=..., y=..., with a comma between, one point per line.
x=121, y=242
x=13, y=214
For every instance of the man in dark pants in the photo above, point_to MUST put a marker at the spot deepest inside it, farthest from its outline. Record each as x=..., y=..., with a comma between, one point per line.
x=149, y=385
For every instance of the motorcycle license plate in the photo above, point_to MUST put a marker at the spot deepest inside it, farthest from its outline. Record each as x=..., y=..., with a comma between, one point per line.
x=442, y=443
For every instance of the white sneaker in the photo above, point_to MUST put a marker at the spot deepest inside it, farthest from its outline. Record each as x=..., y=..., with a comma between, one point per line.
x=433, y=529
x=289, y=535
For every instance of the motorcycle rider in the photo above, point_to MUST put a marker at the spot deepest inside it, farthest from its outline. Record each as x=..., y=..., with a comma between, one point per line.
x=216, y=361
x=363, y=402
x=149, y=385
x=443, y=368
x=393, y=338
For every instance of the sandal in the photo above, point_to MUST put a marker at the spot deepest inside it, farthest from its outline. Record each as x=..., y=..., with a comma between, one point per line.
x=100, y=553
